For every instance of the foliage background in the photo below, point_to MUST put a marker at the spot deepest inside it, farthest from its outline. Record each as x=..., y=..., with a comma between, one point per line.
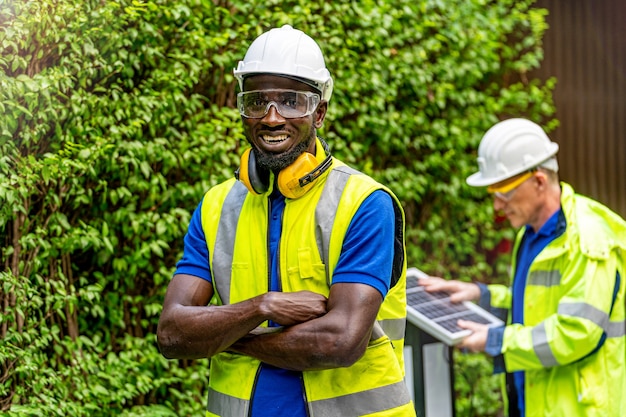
x=118, y=115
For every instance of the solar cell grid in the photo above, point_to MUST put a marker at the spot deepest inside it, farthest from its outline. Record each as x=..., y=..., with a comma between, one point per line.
x=450, y=323
x=411, y=283
x=435, y=310
x=435, y=314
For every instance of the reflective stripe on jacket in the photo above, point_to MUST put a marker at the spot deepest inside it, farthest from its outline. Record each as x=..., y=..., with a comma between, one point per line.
x=572, y=344
x=314, y=226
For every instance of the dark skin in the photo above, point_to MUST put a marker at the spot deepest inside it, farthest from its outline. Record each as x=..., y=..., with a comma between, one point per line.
x=318, y=332
x=275, y=137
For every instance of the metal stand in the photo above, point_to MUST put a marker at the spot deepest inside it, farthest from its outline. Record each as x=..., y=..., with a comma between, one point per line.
x=429, y=373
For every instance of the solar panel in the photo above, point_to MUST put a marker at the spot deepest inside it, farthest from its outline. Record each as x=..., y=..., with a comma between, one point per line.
x=434, y=313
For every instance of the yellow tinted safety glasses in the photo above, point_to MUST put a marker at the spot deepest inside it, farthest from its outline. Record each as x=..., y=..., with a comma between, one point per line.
x=506, y=190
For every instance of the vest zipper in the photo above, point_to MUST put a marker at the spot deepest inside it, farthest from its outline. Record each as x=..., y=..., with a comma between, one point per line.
x=268, y=245
x=256, y=379
x=279, y=279
x=306, y=402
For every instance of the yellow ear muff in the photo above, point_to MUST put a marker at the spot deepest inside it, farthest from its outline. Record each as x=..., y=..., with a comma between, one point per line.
x=255, y=180
x=293, y=181
x=289, y=178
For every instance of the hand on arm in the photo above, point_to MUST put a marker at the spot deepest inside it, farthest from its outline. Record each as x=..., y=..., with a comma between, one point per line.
x=288, y=309
x=338, y=338
x=189, y=328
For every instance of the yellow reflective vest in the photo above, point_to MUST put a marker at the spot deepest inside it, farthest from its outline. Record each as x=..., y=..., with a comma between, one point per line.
x=235, y=223
x=572, y=343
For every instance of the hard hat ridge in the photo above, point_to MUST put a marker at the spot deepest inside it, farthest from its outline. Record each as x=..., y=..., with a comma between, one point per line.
x=511, y=147
x=290, y=53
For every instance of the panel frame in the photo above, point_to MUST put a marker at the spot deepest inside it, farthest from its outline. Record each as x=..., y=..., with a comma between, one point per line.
x=430, y=326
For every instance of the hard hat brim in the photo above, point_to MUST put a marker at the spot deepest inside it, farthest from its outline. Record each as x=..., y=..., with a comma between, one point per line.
x=477, y=179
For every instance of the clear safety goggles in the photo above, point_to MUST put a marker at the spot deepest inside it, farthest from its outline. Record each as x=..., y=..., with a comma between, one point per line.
x=506, y=190
x=290, y=104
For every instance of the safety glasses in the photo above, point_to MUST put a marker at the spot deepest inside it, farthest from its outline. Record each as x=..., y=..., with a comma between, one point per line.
x=506, y=190
x=290, y=104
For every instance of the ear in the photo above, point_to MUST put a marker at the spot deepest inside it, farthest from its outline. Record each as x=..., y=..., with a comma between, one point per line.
x=542, y=179
x=320, y=114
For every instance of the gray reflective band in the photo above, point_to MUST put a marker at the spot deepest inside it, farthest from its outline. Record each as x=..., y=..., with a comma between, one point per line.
x=582, y=310
x=326, y=210
x=394, y=328
x=589, y=312
x=542, y=347
x=585, y=311
x=377, y=331
x=616, y=329
x=545, y=278
x=225, y=405
x=362, y=403
x=225, y=240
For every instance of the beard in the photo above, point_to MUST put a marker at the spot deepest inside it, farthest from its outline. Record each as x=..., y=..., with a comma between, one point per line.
x=277, y=163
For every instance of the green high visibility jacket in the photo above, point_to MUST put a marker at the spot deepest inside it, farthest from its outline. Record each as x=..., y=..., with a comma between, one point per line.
x=572, y=344
x=314, y=227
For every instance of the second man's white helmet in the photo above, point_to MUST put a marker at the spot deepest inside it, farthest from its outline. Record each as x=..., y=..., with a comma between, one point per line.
x=287, y=52
x=511, y=147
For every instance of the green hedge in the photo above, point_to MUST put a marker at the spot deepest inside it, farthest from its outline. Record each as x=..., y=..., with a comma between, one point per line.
x=117, y=116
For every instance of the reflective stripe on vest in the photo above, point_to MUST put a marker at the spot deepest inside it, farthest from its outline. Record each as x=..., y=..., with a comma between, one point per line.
x=393, y=328
x=616, y=329
x=362, y=403
x=226, y=405
x=225, y=242
x=585, y=311
x=542, y=347
x=326, y=211
x=544, y=278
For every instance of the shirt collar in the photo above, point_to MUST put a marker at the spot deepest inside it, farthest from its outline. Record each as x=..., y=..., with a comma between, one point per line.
x=553, y=227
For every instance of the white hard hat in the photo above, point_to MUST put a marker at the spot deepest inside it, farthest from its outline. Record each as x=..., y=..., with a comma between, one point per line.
x=287, y=52
x=511, y=147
